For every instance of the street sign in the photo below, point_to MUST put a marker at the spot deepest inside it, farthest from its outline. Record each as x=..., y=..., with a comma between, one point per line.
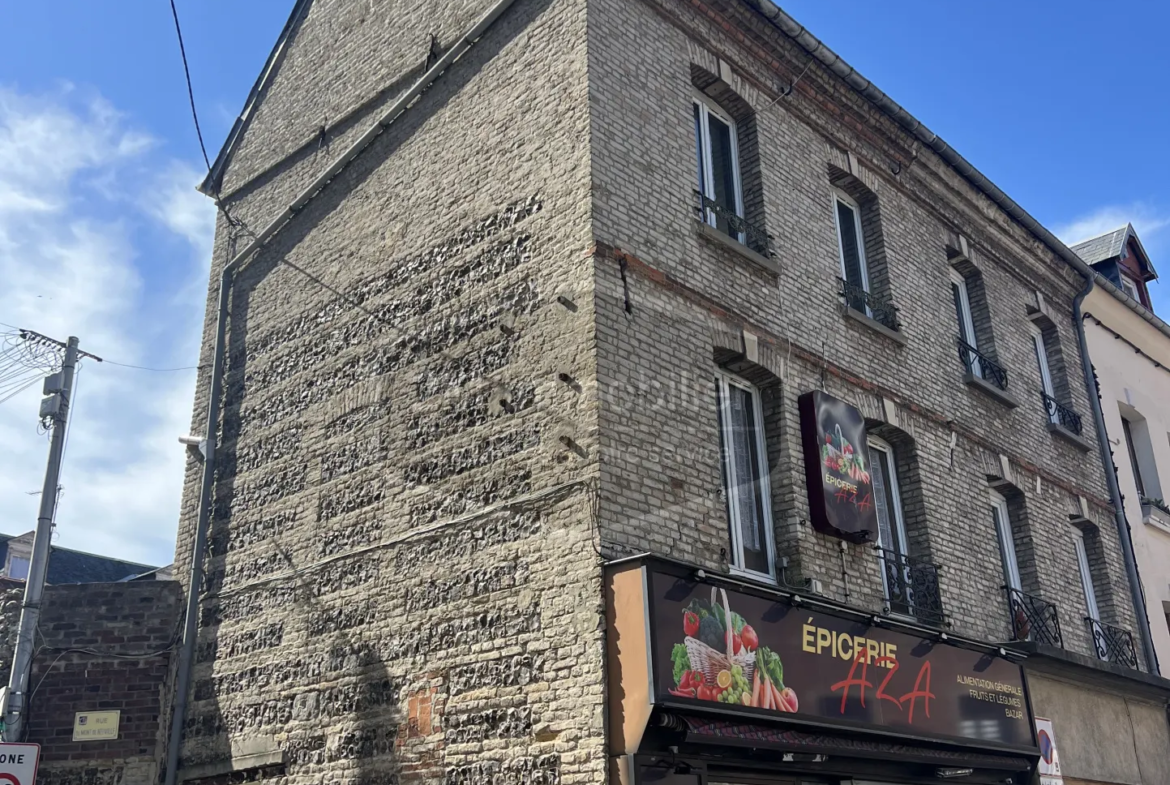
x=95, y=725
x=18, y=763
x=1049, y=761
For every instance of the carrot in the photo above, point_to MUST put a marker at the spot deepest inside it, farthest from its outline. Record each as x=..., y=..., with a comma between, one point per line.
x=766, y=688
x=779, y=699
x=756, y=687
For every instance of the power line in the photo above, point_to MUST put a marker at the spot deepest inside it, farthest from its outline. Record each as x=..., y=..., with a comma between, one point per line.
x=155, y=370
x=190, y=92
x=232, y=220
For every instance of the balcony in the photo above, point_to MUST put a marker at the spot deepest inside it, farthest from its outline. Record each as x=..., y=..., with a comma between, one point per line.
x=911, y=587
x=1063, y=421
x=1113, y=644
x=985, y=374
x=1061, y=414
x=869, y=309
x=1033, y=619
x=720, y=223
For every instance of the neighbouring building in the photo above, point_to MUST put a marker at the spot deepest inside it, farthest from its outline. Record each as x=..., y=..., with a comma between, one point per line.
x=66, y=565
x=99, y=678
x=1130, y=349
x=627, y=390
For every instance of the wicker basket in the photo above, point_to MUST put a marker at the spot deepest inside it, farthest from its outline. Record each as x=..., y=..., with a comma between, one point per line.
x=710, y=661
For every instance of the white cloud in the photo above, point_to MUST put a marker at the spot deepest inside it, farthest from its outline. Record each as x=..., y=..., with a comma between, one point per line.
x=102, y=237
x=1148, y=220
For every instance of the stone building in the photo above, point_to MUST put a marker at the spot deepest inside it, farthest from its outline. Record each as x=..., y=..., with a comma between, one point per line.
x=523, y=291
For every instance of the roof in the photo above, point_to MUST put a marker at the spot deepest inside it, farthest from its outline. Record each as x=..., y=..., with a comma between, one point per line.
x=1111, y=245
x=70, y=566
x=1103, y=246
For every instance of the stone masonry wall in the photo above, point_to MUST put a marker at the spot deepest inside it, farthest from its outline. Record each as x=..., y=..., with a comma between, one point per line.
x=402, y=582
x=691, y=301
x=103, y=647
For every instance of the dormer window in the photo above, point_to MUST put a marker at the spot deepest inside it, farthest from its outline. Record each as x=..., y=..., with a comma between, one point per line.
x=1130, y=287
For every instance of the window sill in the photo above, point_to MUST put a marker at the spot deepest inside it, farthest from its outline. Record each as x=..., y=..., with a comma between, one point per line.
x=1056, y=429
x=762, y=578
x=1152, y=516
x=989, y=389
x=721, y=238
x=852, y=313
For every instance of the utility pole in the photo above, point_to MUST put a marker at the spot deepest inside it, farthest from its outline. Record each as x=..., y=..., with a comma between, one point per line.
x=55, y=406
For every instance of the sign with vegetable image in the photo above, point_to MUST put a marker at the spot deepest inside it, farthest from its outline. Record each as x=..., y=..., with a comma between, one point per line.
x=756, y=655
x=836, y=464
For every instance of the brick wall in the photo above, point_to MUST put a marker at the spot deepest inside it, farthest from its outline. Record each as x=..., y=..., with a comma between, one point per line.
x=411, y=506
x=103, y=647
x=661, y=483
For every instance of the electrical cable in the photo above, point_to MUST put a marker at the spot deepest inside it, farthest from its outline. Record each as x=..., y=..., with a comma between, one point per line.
x=155, y=370
x=190, y=91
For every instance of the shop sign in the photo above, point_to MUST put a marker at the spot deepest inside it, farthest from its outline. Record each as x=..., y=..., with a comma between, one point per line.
x=836, y=465
x=728, y=650
x=1049, y=768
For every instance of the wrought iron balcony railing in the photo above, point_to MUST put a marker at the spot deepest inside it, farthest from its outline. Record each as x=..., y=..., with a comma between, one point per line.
x=1113, y=644
x=880, y=309
x=911, y=587
x=982, y=366
x=1034, y=619
x=1061, y=414
x=735, y=226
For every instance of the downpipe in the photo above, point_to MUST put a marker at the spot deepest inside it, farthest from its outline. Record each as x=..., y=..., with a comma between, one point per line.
x=218, y=361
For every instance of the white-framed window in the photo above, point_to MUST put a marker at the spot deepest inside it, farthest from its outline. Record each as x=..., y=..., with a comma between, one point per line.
x=717, y=160
x=1129, y=286
x=850, y=240
x=1131, y=449
x=887, y=498
x=1086, y=574
x=18, y=568
x=744, y=460
x=1007, y=544
x=1045, y=372
x=1136, y=432
x=962, y=298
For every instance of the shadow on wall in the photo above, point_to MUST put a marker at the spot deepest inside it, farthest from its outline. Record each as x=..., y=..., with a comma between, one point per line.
x=291, y=678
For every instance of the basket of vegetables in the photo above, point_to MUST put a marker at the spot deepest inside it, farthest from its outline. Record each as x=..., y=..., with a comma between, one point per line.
x=721, y=659
x=719, y=647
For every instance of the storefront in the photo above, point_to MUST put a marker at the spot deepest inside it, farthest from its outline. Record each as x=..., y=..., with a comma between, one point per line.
x=714, y=681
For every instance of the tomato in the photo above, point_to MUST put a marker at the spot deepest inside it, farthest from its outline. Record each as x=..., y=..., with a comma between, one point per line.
x=697, y=678
x=691, y=624
x=736, y=643
x=789, y=697
x=751, y=641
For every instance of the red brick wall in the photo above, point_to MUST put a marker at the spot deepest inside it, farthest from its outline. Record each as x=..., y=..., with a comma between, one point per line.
x=104, y=646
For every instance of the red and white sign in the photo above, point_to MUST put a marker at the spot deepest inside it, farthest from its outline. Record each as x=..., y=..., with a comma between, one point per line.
x=18, y=763
x=1049, y=769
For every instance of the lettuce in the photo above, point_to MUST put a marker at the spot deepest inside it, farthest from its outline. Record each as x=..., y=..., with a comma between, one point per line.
x=682, y=661
x=769, y=661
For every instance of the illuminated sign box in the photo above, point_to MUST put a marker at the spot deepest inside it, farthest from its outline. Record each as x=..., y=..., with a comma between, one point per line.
x=837, y=470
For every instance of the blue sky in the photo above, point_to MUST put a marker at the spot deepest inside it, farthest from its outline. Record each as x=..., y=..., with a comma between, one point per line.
x=1063, y=104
